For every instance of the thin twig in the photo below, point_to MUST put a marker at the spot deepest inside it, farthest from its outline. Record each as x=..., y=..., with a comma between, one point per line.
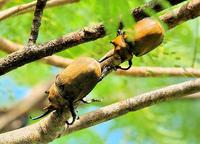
x=40, y=5
x=52, y=126
x=30, y=7
x=195, y=44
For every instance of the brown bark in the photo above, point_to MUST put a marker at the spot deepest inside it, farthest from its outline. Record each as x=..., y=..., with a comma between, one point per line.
x=40, y=5
x=28, y=55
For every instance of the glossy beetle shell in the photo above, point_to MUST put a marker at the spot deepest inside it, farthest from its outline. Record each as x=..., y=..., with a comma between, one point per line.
x=148, y=35
x=75, y=81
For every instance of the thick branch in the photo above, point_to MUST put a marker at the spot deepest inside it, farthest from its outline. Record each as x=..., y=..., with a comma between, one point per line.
x=9, y=47
x=30, y=6
x=40, y=5
x=139, y=12
x=52, y=126
x=28, y=55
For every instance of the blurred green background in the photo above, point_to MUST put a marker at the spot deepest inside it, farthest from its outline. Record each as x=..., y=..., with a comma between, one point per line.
x=171, y=122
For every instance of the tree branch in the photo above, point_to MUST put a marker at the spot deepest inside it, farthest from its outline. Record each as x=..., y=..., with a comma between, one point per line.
x=25, y=56
x=52, y=126
x=159, y=71
x=58, y=61
x=190, y=10
x=35, y=96
x=19, y=122
x=28, y=55
x=133, y=104
x=40, y=5
x=9, y=47
x=30, y=7
x=139, y=12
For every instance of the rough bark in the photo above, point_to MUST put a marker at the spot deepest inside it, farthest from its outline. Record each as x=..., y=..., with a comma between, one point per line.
x=40, y=5
x=33, y=53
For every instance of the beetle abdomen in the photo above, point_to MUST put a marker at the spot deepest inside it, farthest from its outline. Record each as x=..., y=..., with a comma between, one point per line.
x=148, y=35
x=79, y=78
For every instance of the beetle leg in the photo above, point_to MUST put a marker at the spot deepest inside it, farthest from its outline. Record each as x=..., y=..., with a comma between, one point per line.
x=130, y=64
x=105, y=58
x=73, y=113
x=105, y=71
x=91, y=101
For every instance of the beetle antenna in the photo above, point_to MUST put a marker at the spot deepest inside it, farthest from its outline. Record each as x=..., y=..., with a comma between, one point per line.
x=120, y=27
x=44, y=114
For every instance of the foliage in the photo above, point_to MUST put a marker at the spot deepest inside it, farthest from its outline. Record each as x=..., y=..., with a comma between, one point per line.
x=164, y=123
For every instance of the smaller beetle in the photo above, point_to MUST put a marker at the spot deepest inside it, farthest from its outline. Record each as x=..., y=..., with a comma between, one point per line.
x=148, y=34
x=72, y=85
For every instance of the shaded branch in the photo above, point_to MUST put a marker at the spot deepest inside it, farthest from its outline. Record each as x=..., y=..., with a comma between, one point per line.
x=30, y=7
x=28, y=55
x=19, y=122
x=52, y=126
x=35, y=96
x=40, y=5
x=156, y=5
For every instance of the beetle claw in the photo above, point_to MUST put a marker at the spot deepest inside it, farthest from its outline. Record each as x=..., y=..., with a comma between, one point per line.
x=130, y=64
x=73, y=113
x=91, y=101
